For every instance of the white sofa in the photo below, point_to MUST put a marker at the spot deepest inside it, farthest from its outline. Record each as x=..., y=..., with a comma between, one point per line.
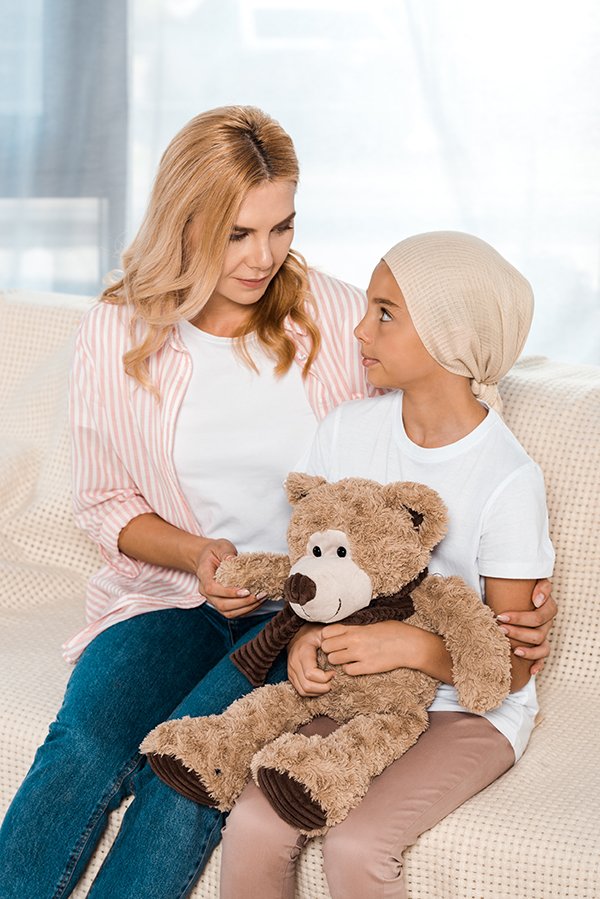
x=533, y=835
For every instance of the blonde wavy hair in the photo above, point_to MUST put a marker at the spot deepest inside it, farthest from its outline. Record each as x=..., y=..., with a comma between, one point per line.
x=208, y=168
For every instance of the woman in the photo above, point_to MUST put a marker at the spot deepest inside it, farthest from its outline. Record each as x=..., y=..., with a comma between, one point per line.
x=198, y=382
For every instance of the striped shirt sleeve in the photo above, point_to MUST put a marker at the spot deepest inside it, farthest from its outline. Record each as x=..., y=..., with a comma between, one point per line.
x=339, y=308
x=105, y=498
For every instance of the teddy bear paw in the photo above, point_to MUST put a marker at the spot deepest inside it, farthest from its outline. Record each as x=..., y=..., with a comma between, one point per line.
x=188, y=754
x=175, y=774
x=292, y=801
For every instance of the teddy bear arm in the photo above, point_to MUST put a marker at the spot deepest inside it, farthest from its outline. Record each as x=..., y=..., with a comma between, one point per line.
x=480, y=652
x=256, y=572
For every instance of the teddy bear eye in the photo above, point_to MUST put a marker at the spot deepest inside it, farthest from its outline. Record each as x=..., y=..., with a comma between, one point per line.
x=317, y=551
x=341, y=551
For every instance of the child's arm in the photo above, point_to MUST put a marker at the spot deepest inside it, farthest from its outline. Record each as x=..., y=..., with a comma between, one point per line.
x=364, y=649
x=384, y=646
x=374, y=648
x=501, y=595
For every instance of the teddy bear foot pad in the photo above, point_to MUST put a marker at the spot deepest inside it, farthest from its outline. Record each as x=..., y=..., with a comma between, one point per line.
x=291, y=800
x=175, y=774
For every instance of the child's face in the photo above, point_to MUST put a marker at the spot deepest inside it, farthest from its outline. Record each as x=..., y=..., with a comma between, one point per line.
x=393, y=353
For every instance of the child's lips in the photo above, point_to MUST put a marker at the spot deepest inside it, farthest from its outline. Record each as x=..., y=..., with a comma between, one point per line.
x=368, y=361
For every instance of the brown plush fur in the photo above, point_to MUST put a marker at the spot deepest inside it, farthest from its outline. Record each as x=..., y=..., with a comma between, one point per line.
x=314, y=781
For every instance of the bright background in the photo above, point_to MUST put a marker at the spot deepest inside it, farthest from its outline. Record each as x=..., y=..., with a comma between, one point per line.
x=407, y=116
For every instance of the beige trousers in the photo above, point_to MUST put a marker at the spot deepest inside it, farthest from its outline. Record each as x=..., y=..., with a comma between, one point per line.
x=457, y=756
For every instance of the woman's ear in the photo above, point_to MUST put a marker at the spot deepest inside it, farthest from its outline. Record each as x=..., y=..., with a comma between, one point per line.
x=299, y=485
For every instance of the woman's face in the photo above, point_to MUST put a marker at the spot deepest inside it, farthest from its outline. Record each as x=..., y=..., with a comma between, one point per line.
x=258, y=246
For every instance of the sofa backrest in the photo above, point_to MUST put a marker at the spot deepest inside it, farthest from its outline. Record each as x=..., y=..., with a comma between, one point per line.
x=43, y=555
x=554, y=410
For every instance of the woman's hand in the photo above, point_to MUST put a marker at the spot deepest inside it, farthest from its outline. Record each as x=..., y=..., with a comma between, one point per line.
x=231, y=602
x=370, y=648
x=303, y=671
x=151, y=539
x=528, y=630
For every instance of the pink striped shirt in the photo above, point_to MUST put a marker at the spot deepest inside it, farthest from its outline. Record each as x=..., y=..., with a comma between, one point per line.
x=122, y=442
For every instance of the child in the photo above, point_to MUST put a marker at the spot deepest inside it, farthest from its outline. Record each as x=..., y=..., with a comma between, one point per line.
x=447, y=316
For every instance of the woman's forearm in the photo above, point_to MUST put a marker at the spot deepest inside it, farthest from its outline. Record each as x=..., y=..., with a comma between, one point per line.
x=148, y=538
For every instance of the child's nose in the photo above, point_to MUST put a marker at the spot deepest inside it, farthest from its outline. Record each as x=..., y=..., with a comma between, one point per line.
x=360, y=331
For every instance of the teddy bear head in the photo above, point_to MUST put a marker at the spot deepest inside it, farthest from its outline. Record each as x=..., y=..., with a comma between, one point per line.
x=354, y=540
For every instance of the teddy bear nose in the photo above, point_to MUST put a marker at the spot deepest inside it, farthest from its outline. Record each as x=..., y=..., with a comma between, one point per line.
x=299, y=589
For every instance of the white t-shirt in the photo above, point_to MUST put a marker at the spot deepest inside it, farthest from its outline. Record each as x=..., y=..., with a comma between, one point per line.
x=237, y=436
x=498, y=522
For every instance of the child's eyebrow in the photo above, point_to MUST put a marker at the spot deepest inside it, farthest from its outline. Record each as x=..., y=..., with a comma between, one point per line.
x=288, y=218
x=381, y=301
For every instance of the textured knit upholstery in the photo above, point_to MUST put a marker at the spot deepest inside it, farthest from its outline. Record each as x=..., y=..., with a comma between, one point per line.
x=535, y=834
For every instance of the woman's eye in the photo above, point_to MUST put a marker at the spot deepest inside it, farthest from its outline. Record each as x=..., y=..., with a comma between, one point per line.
x=385, y=316
x=236, y=236
x=282, y=228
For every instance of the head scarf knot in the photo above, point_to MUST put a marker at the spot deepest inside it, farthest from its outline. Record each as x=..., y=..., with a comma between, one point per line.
x=487, y=393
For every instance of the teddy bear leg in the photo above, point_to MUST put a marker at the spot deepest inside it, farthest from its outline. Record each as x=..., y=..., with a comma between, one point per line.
x=313, y=782
x=207, y=759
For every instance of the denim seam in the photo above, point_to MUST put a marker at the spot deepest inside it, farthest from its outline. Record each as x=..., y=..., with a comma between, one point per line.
x=202, y=860
x=100, y=810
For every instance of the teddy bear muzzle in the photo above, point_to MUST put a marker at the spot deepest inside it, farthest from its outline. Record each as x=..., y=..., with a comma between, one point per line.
x=326, y=584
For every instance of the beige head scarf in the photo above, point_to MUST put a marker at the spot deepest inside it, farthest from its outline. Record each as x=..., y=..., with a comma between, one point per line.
x=470, y=307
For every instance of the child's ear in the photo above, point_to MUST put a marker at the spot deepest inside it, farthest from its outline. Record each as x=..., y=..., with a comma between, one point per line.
x=426, y=508
x=299, y=485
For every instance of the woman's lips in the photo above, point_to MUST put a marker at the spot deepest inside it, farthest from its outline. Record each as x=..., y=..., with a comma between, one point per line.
x=253, y=283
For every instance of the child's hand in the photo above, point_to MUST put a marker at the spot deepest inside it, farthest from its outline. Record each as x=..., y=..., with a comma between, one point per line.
x=369, y=648
x=303, y=672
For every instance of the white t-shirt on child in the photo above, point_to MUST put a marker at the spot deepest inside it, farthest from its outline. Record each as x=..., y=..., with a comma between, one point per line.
x=498, y=522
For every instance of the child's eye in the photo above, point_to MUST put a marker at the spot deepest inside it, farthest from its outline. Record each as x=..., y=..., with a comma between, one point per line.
x=385, y=315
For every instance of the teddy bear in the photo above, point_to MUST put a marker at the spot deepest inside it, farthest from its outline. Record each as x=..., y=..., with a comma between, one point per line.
x=358, y=553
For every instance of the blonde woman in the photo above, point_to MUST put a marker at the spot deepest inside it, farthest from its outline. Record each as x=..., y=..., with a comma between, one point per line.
x=198, y=382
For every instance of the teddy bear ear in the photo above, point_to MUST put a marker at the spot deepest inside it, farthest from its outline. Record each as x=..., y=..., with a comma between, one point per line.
x=299, y=485
x=426, y=508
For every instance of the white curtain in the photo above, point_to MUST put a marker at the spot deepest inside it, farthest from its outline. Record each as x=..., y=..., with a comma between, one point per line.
x=408, y=115
x=63, y=141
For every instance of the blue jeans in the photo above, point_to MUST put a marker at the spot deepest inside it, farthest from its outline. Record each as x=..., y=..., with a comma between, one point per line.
x=159, y=665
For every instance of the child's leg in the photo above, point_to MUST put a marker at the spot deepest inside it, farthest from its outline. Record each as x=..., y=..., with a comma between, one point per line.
x=259, y=849
x=454, y=759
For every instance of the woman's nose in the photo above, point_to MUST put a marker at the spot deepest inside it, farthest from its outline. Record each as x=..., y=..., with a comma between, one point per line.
x=261, y=255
